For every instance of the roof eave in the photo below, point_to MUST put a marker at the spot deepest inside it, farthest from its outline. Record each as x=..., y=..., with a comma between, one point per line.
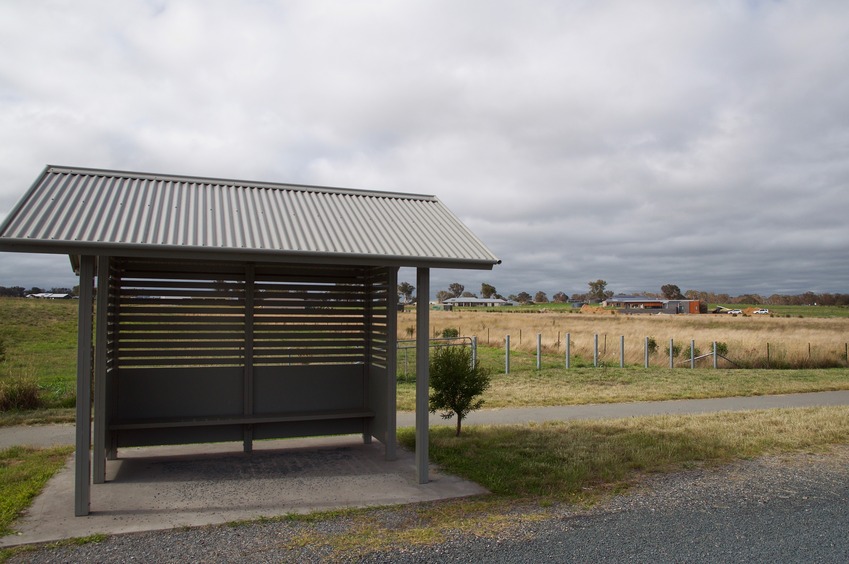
x=80, y=248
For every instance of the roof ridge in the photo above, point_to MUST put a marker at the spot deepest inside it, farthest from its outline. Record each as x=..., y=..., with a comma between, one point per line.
x=59, y=169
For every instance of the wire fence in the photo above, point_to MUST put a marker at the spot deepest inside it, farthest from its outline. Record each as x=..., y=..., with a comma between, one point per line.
x=407, y=353
x=646, y=353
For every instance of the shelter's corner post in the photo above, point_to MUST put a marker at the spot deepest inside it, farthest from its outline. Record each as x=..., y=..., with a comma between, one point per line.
x=248, y=383
x=391, y=444
x=82, y=463
x=369, y=325
x=100, y=355
x=422, y=373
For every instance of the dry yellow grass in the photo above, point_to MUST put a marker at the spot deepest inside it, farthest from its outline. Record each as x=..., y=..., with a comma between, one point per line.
x=788, y=338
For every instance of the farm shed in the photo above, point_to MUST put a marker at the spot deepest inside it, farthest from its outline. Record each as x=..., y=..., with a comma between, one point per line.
x=229, y=310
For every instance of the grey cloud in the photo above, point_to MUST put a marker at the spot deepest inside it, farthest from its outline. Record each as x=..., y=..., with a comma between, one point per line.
x=700, y=144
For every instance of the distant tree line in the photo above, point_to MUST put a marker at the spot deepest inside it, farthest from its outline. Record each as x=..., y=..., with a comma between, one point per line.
x=598, y=292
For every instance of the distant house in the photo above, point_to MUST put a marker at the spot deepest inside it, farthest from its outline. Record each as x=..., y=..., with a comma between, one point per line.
x=643, y=304
x=477, y=302
x=50, y=296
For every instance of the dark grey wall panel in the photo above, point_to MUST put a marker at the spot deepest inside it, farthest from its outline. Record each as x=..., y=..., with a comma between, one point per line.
x=281, y=389
x=179, y=392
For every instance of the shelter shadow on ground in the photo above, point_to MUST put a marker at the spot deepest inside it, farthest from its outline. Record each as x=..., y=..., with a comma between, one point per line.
x=155, y=488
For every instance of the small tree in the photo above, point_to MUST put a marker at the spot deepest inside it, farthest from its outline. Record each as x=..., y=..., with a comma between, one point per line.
x=456, y=383
x=524, y=298
x=540, y=297
x=651, y=344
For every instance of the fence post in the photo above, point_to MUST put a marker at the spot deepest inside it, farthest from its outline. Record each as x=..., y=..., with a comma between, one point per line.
x=474, y=351
x=767, y=355
x=507, y=354
x=671, y=357
x=646, y=352
x=622, y=351
x=568, y=350
x=595, y=350
x=539, y=351
x=692, y=353
x=714, y=354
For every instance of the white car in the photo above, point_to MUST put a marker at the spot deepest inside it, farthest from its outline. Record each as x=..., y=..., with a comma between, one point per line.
x=761, y=311
x=735, y=311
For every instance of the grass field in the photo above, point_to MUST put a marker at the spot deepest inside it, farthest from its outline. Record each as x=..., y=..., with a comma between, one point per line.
x=558, y=386
x=39, y=339
x=789, y=341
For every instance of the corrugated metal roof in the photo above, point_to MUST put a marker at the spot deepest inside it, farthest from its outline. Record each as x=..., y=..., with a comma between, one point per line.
x=85, y=211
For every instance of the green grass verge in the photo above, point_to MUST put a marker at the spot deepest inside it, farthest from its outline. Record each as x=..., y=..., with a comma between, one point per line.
x=23, y=473
x=558, y=386
x=566, y=461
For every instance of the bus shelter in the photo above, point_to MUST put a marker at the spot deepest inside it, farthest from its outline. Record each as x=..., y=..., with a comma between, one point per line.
x=218, y=310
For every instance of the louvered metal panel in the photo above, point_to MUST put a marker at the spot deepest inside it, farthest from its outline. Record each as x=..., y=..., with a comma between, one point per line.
x=84, y=211
x=313, y=315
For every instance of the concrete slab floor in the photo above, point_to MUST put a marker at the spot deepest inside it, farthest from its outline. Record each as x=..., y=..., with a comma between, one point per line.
x=156, y=488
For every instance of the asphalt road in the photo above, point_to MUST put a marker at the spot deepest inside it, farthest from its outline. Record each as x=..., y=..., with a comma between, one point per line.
x=809, y=525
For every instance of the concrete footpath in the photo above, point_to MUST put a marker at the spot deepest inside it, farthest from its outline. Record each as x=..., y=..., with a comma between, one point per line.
x=156, y=488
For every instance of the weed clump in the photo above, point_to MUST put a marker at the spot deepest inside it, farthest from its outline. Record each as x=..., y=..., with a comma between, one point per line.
x=18, y=393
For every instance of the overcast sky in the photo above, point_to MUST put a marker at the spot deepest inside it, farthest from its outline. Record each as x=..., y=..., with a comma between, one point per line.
x=699, y=143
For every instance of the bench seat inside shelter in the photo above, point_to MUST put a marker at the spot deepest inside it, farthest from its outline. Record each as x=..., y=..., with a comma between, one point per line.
x=219, y=310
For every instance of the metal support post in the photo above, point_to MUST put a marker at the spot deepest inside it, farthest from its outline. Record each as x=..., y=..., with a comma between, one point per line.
x=422, y=375
x=101, y=333
x=82, y=462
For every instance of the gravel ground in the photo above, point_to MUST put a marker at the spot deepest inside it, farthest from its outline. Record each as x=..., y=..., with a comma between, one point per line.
x=788, y=508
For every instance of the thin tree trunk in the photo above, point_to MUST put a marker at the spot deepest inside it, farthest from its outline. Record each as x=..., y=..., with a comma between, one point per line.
x=459, y=422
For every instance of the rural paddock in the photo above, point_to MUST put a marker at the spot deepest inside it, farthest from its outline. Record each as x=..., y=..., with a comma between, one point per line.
x=789, y=338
